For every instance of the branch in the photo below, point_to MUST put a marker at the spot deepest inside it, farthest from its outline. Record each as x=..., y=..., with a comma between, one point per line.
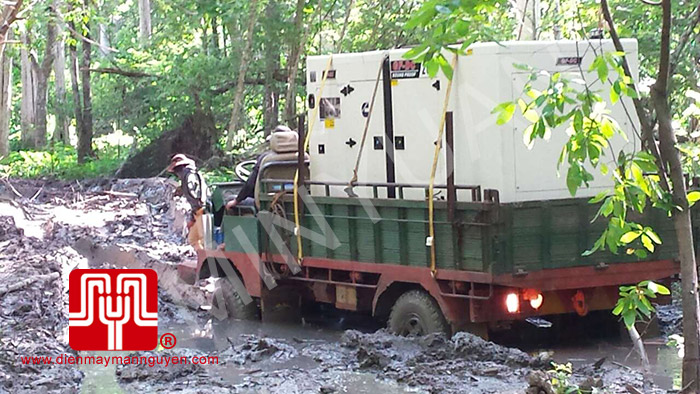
x=694, y=19
x=83, y=38
x=10, y=17
x=661, y=84
x=28, y=281
x=279, y=76
x=118, y=71
x=644, y=118
x=648, y=2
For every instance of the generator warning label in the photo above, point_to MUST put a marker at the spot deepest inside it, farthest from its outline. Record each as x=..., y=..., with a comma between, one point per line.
x=404, y=69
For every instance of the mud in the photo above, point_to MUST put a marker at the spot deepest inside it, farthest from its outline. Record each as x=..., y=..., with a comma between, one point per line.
x=32, y=321
x=54, y=227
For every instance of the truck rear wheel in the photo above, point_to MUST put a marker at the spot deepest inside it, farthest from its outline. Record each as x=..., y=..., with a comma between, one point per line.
x=233, y=307
x=416, y=313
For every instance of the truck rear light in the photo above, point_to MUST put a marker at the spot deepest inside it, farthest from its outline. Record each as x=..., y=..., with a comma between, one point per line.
x=512, y=303
x=535, y=298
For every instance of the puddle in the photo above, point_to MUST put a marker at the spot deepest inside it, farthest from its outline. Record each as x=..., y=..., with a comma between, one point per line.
x=664, y=360
x=100, y=378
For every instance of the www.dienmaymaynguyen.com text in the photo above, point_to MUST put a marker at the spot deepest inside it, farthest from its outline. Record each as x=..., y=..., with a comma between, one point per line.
x=150, y=361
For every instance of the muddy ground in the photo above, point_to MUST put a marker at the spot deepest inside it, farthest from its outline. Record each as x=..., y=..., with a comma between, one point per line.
x=49, y=228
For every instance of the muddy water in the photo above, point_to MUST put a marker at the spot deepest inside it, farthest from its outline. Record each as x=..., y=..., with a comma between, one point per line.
x=665, y=363
x=216, y=336
x=307, y=357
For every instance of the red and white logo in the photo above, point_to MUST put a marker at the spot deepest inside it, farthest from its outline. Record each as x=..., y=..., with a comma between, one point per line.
x=112, y=309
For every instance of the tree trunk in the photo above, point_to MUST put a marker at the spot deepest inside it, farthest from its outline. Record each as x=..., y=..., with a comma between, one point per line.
x=85, y=143
x=681, y=218
x=215, y=36
x=234, y=123
x=686, y=249
x=104, y=40
x=272, y=63
x=34, y=135
x=290, y=102
x=61, y=131
x=5, y=101
x=28, y=71
x=75, y=89
x=144, y=21
x=8, y=15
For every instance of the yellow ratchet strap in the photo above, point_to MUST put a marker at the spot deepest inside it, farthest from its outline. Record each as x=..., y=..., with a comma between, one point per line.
x=369, y=116
x=297, y=228
x=431, y=187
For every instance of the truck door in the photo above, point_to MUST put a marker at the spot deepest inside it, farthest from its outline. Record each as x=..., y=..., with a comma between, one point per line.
x=417, y=102
x=339, y=126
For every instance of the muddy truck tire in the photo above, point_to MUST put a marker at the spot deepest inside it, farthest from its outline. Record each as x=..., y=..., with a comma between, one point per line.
x=234, y=307
x=416, y=313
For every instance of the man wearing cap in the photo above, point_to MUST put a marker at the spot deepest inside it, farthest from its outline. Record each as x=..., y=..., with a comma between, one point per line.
x=248, y=189
x=194, y=188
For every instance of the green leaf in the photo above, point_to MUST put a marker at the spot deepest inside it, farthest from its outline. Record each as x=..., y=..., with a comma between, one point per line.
x=415, y=52
x=528, y=138
x=522, y=67
x=629, y=317
x=607, y=128
x=618, y=308
x=651, y=234
x=614, y=96
x=661, y=289
x=693, y=197
x=531, y=115
x=630, y=236
x=578, y=122
x=447, y=70
x=648, y=244
x=599, y=197
x=432, y=67
x=573, y=179
x=506, y=114
x=601, y=68
x=641, y=253
x=421, y=18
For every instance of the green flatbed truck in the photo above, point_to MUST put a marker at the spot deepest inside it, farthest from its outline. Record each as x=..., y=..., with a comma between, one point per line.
x=507, y=242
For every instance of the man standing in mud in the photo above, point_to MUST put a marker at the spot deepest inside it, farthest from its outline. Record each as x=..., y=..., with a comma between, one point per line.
x=194, y=188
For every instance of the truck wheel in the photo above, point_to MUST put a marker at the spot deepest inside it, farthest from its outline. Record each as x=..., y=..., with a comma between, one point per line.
x=416, y=313
x=234, y=307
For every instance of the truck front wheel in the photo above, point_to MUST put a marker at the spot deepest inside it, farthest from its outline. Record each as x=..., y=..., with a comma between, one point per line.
x=227, y=304
x=416, y=313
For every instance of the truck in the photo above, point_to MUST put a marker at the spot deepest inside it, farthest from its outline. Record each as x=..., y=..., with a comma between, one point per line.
x=410, y=204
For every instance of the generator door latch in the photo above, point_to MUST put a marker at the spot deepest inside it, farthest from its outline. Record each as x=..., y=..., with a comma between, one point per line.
x=350, y=142
x=399, y=143
x=436, y=85
x=378, y=143
x=321, y=149
x=347, y=90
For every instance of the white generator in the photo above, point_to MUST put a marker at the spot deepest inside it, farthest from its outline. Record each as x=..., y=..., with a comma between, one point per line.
x=408, y=106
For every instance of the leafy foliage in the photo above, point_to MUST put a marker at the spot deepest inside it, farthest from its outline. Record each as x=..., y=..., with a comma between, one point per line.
x=59, y=162
x=576, y=105
x=561, y=375
x=450, y=21
x=634, y=303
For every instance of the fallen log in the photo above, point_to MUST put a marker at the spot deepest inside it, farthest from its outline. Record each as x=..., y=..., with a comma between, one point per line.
x=28, y=281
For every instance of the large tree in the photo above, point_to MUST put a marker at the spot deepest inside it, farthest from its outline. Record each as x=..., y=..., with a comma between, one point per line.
x=662, y=183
